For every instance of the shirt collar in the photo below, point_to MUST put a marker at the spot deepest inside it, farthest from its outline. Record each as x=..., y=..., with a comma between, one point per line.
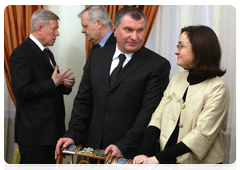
x=118, y=52
x=105, y=38
x=36, y=42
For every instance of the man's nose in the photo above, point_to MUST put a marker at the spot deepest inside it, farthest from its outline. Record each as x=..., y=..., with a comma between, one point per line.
x=83, y=30
x=57, y=33
x=134, y=35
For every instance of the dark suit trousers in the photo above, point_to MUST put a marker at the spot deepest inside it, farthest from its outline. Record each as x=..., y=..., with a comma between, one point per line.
x=37, y=154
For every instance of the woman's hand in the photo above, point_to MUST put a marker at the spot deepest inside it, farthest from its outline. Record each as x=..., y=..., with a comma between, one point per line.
x=143, y=162
x=139, y=159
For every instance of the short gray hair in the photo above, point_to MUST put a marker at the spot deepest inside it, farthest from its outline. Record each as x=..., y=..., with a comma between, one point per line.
x=42, y=16
x=96, y=12
x=134, y=12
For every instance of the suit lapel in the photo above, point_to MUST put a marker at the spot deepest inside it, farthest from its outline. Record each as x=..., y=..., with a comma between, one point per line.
x=132, y=65
x=111, y=40
x=39, y=53
x=106, y=62
x=52, y=58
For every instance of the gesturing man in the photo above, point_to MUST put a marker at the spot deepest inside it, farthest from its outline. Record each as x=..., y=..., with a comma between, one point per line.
x=39, y=88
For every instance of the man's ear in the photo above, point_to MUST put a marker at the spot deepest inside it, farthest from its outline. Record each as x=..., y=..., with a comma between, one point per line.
x=39, y=28
x=114, y=28
x=99, y=23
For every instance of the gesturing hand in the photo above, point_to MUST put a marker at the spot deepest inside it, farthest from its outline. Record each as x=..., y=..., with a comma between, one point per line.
x=69, y=82
x=58, y=78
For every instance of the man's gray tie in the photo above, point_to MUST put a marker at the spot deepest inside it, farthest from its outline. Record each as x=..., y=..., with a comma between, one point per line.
x=118, y=69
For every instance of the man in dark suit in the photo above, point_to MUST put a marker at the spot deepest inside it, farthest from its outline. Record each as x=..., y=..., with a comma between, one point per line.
x=39, y=88
x=114, y=110
x=97, y=26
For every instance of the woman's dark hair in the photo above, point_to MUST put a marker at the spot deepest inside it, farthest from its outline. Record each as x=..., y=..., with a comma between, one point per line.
x=206, y=49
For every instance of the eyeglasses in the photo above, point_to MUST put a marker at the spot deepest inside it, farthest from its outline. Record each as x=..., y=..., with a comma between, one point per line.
x=179, y=46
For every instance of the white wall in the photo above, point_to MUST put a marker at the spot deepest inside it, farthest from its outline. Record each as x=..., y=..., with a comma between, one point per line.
x=69, y=48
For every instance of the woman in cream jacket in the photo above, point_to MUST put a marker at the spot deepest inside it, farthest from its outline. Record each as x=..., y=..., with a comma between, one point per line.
x=191, y=119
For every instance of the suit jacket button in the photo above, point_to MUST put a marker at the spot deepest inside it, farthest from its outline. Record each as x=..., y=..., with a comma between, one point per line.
x=101, y=131
x=106, y=113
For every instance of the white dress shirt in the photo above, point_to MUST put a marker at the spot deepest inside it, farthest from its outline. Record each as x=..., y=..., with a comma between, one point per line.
x=115, y=59
x=40, y=46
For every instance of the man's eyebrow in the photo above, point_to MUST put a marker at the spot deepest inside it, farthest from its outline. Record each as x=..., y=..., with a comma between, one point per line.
x=127, y=27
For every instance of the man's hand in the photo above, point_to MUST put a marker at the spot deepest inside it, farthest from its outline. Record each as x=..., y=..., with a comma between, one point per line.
x=65, y=142
x=58, y=78
x=69, y=82
x=115, y=151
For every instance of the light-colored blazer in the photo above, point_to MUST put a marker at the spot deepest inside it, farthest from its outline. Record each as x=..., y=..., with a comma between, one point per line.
x=203, y=118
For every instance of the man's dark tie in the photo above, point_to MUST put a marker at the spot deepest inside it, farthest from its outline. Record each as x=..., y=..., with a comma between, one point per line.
x=46, y=53
x=117, y=70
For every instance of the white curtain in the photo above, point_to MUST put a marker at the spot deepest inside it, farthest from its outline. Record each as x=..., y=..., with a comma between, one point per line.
x=222, y=19
x=9, y=120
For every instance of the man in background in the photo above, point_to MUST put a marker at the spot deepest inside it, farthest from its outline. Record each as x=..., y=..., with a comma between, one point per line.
x=97, y=26
x=121, y=87
x=39, y=87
